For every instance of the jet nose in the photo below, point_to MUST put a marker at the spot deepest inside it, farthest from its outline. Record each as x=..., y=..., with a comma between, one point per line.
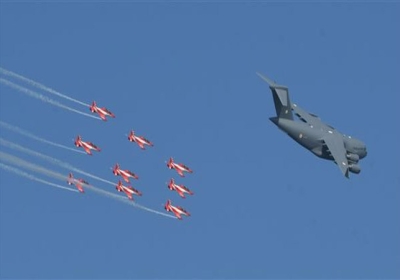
x=365, y=153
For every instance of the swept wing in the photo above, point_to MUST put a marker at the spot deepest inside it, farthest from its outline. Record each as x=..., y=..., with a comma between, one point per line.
x=335, y=144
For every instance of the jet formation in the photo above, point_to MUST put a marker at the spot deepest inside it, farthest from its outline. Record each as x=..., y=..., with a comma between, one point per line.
x=320, y=138
x=126, y=174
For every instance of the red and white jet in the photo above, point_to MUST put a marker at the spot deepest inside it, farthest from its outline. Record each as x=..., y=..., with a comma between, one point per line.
x=180, y=189
x=128, y=190
x=140, y=140
x=179, y=167
x=125, y=174
x=87, y=146
x=103, y=112
x=177, y=210
x=77, y=182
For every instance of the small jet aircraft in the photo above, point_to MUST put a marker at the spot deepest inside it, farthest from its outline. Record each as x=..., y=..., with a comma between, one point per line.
x=128, y=190
x=103, y=112
x=179, y=167
x=316, y=136
x=140, y=140
x=180, y=189
x=87, y=146
x=177, y=210
x=125, y=174
x=77, y=182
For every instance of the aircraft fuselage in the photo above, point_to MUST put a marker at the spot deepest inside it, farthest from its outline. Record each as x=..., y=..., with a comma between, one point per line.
x=311, y=138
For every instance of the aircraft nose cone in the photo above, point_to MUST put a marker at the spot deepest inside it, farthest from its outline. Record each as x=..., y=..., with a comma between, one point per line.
x=365, y=153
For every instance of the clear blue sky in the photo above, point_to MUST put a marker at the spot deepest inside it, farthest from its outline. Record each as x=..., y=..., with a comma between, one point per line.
x=183, y=75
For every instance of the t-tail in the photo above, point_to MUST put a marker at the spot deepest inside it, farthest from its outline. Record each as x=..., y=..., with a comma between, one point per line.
x=92, y=107
x=280, y=93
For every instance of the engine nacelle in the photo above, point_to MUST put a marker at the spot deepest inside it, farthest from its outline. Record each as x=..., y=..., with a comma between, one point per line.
x=353, y=157
x=354, y=168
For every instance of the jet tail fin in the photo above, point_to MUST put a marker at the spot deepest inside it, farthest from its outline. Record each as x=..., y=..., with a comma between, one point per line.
x=280, y=94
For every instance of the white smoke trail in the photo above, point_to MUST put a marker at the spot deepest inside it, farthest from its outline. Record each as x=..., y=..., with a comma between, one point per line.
x=55, y=175
x=31, y=166
x=153, y=211
x=127, y=201
x=30, y=135
x=44, y=98
x=40, y=86
x=50, y=159
x=31, y=177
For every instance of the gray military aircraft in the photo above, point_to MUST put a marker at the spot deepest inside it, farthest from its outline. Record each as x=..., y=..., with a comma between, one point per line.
x=321, y=139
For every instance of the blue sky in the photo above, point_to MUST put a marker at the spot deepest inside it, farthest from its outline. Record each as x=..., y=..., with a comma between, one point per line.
x=183, y=75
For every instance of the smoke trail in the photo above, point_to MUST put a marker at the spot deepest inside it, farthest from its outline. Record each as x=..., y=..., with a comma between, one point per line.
x=31, y=177
x=127, y=201
x=154, y=211
x=55, y=175
x=40, y=86
x=50, y=159
x=31, y=166
x=30, y=135
x=43, y=98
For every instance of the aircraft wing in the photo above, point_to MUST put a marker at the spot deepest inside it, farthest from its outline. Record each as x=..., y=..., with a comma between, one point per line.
x=335, y=144
x=308, y=118
x=181, y=194
x=126, y=179
x=180, y=172
x=101, y=115
x=178, y=215
x=87, y=150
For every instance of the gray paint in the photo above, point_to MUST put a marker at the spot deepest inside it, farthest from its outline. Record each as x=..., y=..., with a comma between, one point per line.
x=321, y=139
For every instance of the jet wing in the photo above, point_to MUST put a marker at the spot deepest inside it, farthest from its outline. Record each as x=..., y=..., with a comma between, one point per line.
x=179, y=172
x=178, y=215
x=129, y=195
x=126, y=179
x=140, y=145
x=308, y=118
x=87, y=150
x=335, y=144
x=181, y=194
x=101, y=115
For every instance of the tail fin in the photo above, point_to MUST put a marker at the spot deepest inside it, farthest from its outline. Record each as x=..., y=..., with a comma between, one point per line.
x=118, y=186
x=77, y=139
x=167, y=204
x=91, y=108
x=169, y=163
x=116, y=167
x=280, y=93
